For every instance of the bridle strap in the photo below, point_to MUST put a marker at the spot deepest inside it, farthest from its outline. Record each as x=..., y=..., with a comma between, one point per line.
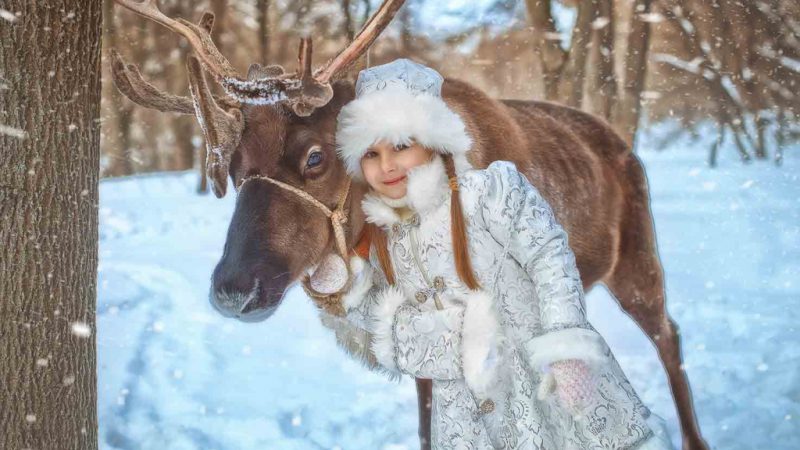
x=337, y=216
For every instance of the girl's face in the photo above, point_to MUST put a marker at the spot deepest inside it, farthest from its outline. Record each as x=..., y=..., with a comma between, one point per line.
x=385, y=166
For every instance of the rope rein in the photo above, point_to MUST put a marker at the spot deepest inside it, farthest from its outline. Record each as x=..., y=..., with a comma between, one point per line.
x=338, y=216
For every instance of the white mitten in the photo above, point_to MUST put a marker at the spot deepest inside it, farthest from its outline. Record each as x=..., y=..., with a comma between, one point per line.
x=360, y=282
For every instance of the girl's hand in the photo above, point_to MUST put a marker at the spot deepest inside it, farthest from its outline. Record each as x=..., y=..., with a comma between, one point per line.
x=574, y=383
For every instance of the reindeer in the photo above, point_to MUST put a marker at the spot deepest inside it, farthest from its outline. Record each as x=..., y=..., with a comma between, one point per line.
x=273, y=135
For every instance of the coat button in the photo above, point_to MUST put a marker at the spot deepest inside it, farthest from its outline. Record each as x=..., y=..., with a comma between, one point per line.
x=415, y=220
x=486, y=406
x=438, y=283
x=421, y=297
x=396, y=228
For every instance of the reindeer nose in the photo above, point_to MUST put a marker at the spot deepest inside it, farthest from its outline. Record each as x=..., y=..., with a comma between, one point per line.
x=231, y=290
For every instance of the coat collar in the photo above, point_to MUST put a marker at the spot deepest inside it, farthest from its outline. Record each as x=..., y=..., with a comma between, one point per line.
x=427, y=189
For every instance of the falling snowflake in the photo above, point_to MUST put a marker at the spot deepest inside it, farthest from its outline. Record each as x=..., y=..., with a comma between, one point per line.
x=81, y=329
x=8, y=15
x=13, y=132
x=651, y=17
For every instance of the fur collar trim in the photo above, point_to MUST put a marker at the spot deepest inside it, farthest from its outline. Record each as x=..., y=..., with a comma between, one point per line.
x=427, y=189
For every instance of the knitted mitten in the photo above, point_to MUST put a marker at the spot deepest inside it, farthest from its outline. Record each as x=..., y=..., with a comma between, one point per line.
x=573, y=382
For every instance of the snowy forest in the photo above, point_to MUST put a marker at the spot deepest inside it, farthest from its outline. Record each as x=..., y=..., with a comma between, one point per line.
x=110, y=230
x=732, y=65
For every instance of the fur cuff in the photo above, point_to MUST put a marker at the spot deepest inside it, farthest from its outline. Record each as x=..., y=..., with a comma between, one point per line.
x=480, y=343
x=362, y=282
x=383, y=344
x=355, y=342
x=569, y=343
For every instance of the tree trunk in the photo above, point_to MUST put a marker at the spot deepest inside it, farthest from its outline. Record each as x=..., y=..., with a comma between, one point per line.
x=546, y=46
x=49, y=164
x=263, y=30
x=571, y=90
x=349, y=27
x=220, y=9
x=780, y=136
x=603, y=47
x=183, y=130
x=178, y=83
x=117, y=147
x=406, y=36
x=628, y=110
x=367, y=12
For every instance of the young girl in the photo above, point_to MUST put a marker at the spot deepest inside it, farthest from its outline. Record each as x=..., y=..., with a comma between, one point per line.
x=470, y=282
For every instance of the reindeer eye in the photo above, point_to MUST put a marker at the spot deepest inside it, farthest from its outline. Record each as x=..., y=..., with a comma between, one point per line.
x=314, y=159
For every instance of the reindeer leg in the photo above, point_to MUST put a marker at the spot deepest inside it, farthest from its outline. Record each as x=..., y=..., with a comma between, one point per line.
x=649, y=313
x=424, y=396
x=637, y=281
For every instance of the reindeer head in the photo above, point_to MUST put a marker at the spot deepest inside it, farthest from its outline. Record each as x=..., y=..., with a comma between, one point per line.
x=274, y=125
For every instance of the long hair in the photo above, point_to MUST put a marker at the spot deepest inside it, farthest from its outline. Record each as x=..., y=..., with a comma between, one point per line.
x=458, y=233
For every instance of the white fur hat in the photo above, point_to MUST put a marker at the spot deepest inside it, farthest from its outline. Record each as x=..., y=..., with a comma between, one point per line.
x=398, y=102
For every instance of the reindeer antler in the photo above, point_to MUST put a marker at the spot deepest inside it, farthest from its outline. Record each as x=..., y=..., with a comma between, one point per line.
x=222, y=129
x=130, y=82
x=197, y=35
x=369, y=32
x=303, y=91
x=220, y=118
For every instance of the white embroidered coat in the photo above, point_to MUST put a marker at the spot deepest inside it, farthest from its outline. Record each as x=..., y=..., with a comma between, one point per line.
x=487, y=351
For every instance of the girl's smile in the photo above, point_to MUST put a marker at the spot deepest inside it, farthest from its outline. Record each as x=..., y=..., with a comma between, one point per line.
x=395, y=181
x=385, y=166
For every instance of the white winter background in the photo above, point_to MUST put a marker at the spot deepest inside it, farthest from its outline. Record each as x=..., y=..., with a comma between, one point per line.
x=173, y=374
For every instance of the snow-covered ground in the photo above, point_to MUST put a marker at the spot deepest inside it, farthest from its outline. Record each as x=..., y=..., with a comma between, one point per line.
x=175, y=375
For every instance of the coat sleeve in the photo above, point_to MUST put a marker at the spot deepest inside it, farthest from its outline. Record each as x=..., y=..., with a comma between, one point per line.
x=518, y=217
